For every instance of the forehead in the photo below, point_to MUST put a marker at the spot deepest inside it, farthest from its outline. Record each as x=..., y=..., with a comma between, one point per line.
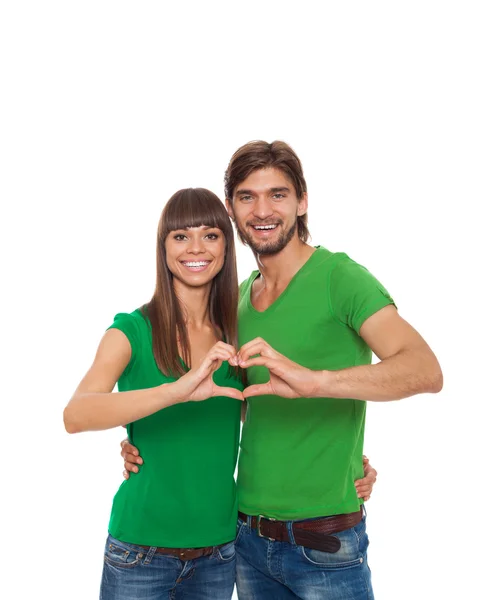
x=264, y=180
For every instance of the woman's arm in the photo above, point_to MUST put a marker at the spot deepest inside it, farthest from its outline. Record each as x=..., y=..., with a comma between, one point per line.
x=93, y=405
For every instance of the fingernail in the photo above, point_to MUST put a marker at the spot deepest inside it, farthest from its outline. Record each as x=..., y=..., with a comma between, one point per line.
x=135, y=452
x=140, y=461
x=135, y=469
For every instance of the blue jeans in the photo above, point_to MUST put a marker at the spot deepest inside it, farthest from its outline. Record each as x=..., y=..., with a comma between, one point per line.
x=268, y=570
x=131, y=572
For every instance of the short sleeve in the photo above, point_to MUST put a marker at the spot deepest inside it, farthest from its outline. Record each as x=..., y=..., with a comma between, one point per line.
x=128, y=324
x=355, y=294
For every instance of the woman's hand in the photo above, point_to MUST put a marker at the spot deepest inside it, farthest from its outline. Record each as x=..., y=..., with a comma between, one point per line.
x=199, y=385
x=364, y=486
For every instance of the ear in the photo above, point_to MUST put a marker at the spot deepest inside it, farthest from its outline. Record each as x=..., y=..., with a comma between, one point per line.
x=302, y=205
x=229, y=208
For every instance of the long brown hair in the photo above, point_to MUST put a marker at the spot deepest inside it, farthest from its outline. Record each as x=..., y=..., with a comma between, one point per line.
x=192, y=207
x=262, y=155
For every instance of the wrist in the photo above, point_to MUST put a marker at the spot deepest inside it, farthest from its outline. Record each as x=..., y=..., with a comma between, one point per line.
x=174, y=392
x=323, y=384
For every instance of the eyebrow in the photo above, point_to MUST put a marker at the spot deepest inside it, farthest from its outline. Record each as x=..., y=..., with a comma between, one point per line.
x=273, y=190
x=202, y=227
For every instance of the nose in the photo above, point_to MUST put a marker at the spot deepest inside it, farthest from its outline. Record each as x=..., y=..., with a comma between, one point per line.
x=262, y=208
x=196, y=245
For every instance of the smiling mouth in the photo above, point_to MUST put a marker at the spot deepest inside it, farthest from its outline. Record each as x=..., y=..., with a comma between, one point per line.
x=196, y=265
x=265, y=228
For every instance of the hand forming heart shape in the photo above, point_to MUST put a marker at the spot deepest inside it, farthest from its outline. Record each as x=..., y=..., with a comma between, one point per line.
x=287, y=378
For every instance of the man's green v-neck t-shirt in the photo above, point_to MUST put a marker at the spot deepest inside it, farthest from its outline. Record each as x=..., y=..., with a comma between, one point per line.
x=299, y=458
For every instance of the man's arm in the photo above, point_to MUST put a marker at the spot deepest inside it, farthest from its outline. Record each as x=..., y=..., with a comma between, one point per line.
x=363, y=486
x=407, y=366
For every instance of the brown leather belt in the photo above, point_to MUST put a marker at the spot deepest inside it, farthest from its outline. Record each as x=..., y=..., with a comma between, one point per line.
x=315, y=534
x=183, y=553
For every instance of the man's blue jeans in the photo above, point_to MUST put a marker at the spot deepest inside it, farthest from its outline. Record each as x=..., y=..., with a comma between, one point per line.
x=269, y=570
x=131, y=572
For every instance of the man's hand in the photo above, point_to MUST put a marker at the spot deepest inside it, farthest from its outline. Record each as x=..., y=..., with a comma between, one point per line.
x=364, y=486
x=131, y=457
x=287, y=378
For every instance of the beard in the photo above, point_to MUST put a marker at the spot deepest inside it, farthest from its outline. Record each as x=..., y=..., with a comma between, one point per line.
x=266, y=248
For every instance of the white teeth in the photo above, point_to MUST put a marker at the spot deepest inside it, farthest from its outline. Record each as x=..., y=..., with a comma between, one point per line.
x=265, y=226
x=196, y=264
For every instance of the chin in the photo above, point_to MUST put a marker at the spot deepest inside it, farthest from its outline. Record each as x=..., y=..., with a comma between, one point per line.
x=267, y=248
x=197, y=282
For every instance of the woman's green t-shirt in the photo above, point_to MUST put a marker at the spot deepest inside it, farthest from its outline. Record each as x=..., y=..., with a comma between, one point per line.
x=184, y=495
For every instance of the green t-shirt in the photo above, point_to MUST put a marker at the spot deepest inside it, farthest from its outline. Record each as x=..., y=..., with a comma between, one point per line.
x=184, y=495
x=300, y=457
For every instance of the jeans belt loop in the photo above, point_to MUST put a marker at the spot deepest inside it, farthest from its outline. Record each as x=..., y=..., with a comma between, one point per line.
x=149, y=555
x=289, y=526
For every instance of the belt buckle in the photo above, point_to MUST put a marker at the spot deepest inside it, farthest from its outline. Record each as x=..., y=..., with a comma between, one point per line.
x=260, y=534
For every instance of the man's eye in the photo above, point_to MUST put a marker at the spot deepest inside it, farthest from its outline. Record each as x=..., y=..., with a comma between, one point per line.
x=245, y=198
x=279, y=196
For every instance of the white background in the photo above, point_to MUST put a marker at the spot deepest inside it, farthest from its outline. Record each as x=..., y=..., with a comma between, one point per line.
x=110, y=107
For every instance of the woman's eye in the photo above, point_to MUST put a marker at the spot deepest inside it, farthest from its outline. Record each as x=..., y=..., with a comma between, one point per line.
x=212, y=236
x=179, y=237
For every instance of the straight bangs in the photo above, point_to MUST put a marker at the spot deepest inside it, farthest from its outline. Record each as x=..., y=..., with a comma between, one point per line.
x=194, y=207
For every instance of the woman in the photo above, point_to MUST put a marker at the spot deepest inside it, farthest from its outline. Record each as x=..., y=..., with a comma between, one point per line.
x=171, y=530
x=185, y=497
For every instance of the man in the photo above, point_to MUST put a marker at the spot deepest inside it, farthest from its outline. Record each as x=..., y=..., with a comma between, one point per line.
x=309, y=320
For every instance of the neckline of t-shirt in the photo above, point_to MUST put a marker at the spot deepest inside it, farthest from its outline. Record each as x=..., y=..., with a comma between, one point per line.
x=279, y=299
x=224, y=366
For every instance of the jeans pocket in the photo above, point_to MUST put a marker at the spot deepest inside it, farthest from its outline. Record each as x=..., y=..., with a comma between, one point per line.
x=348, y=556
x=226, y=552
x=119, y=554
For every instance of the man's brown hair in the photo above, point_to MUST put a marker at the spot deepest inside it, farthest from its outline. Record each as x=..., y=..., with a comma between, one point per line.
x=262, y=155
